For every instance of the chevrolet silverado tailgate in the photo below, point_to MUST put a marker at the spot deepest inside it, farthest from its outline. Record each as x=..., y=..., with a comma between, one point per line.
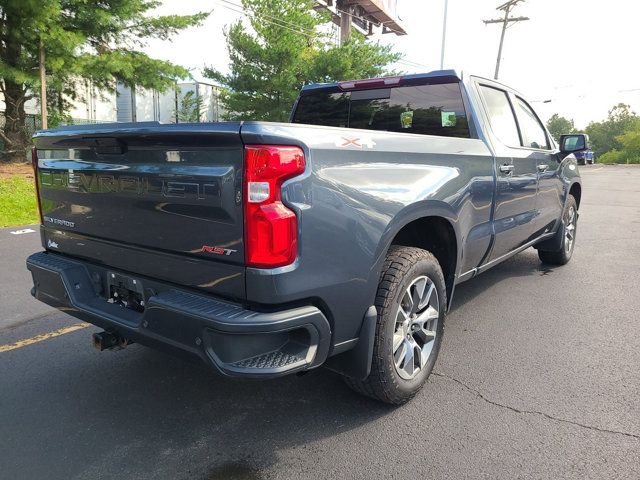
x=163, y=201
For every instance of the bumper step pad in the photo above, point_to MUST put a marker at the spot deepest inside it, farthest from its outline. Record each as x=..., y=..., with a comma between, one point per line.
x=277, y=359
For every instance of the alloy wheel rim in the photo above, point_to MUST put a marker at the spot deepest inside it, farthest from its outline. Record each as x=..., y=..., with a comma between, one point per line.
x=416, y=327
x=570, y=230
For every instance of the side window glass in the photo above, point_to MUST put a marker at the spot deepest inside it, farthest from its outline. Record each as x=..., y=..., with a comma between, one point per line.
x=533, y=134
x=503, y=123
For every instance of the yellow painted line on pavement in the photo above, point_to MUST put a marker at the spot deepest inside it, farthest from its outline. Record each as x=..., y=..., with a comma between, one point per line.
x=45, y=336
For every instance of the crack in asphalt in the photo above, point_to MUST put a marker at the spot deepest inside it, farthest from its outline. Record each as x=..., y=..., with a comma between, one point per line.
x=478, y=394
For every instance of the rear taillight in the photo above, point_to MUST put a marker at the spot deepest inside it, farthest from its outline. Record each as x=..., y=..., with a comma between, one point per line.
x=34, y=164
x=271, y=229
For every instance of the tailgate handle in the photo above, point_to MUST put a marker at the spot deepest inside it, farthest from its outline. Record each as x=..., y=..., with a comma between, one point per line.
x=107, y=145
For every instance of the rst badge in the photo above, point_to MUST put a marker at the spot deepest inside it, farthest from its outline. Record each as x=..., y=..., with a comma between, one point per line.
x=217, y=250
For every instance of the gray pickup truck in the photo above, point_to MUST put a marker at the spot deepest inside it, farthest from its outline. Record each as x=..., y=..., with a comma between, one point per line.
x=337, y=239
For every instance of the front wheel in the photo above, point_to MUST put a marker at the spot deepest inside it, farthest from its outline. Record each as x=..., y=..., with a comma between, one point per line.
x=570, y=224
x=411, y=304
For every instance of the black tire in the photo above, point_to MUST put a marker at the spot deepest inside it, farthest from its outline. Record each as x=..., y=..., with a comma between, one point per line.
x=402, y=266
x=562, y=256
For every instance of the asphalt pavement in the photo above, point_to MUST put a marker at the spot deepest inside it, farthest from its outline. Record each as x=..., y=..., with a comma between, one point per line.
x=538, y=377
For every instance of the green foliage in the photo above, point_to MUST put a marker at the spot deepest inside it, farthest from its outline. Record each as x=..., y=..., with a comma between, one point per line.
x=57, y=108
x=190, y=108
x=57, y=117
x=630, y=152
x=99, y=41
x=609, y=158
x=356, y=59
x=630, y=147
x=17, y=201
x=558, y=125
x=631, y=143
x=605, y=136
x=285, y=50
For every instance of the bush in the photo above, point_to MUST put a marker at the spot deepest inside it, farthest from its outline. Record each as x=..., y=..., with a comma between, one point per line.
x=609, y=158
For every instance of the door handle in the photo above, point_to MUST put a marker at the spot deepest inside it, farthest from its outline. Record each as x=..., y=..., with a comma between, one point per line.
x=543, y=168
x=507, y=168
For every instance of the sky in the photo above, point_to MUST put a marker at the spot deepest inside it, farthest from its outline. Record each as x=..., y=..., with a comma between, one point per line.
x=579, y=54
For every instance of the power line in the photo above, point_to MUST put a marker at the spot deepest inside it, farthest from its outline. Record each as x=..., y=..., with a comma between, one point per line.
x=226, y=4
x=406, y=62
x=279, y=22
x=384, y=24
x=506, y=22
x=277, y=19
x=299, y=29
x=553, y=99
x=411, y=63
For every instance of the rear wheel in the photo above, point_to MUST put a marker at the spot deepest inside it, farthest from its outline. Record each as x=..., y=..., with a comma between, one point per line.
x=570, y=223
x=411, y=303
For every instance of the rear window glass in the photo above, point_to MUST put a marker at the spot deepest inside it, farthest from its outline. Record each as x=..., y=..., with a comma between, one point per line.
x=426, y=110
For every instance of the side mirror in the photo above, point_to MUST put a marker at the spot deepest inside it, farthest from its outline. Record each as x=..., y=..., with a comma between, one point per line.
x=574, y=143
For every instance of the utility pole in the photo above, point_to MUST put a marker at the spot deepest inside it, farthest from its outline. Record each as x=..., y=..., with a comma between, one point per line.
x=43, y=87
x=444, y=33
x=506, y=22
x=344, y=10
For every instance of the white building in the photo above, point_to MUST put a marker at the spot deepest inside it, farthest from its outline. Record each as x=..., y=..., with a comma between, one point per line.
x=140, y=105
x=134, y=105
x=92, y=105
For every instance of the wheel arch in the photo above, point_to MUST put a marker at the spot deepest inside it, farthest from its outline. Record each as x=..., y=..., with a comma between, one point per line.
x=432, y=227
x=571, y=180
x=436, y=235
x=576, y=191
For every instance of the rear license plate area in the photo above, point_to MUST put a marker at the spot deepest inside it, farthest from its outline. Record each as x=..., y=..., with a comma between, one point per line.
x=125, y=291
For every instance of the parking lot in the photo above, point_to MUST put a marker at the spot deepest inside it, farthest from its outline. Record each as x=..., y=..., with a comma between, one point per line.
x=538, y=377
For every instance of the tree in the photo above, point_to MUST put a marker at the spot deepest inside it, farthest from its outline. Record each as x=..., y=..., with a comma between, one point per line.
x=605, y=135
x=285, y=50
x=98, y=41
x=558, y=125
x=190, y=107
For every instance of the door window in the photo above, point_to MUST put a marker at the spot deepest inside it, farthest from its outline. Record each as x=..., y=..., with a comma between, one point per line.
x=503, y=122
x=533, y=134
